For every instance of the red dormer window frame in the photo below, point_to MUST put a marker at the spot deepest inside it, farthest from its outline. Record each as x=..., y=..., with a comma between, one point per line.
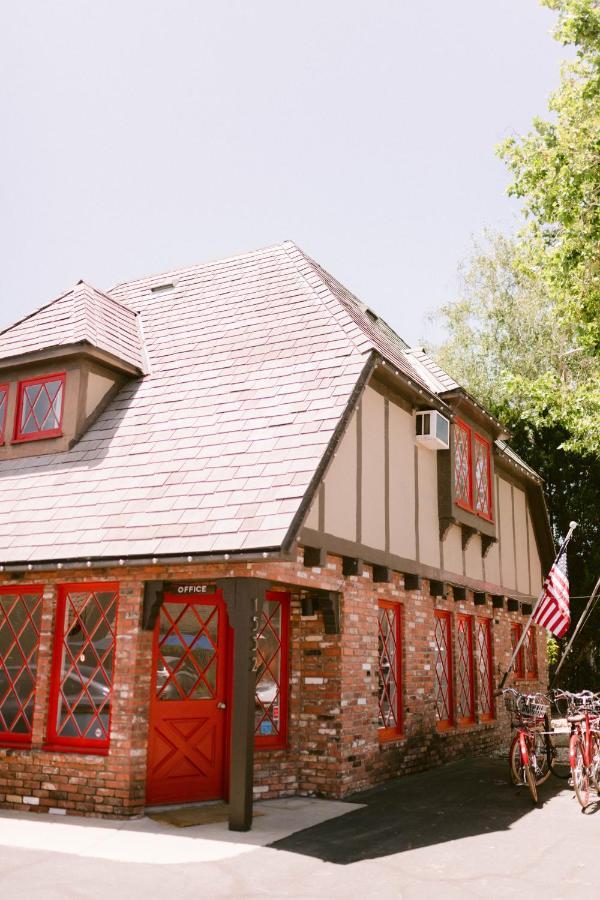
x=3, y=409
x=473, y=440
x=19, y=435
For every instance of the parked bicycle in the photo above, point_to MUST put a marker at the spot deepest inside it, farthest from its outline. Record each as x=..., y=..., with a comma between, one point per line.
x=583, y=715
x=531, y=751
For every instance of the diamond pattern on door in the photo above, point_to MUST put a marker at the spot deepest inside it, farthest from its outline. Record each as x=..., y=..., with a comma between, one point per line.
x=464, y=670
x=186, y=753
x=442, y=668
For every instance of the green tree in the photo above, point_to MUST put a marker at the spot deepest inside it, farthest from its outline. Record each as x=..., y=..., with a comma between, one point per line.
x=556, y=172
x=508, y=344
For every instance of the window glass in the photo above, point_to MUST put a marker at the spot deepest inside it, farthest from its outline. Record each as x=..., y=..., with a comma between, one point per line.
x=462, y=464
x=482, y=477
x=390, y=669
x=531, y=654
x=270, y=702
x=465, y=700
x=20, y=614
x=187, y=651
x=40, y=407
x=84, y=665
x=443, y=669
x=3, y=403
x=484, y=668
x=515, y=635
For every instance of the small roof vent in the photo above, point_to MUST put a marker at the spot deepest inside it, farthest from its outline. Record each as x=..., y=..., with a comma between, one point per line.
x=162, y=288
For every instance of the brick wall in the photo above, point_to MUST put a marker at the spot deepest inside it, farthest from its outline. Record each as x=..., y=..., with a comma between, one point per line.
x=333, y=746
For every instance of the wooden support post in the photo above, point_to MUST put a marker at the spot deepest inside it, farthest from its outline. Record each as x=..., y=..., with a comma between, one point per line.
x=244, y=598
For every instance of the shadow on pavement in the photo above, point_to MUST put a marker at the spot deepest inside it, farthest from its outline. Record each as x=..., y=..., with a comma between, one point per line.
x=454, y=801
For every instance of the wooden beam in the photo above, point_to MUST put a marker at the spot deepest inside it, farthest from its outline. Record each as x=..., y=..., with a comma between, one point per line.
x=498, y=601
x=486, y=543
x=315, y=557
x=412, y=582
x=153, y=598
x=526, y=609
x=244, y=598
x=437, y=588
x=381, y=574
x=350, y=565
x=459, y=592
x=479, y=598
x=466, y=534
x=512, y=605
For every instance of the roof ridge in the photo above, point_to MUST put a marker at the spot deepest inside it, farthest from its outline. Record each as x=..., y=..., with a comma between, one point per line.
x=199, y=265
x=106, y=296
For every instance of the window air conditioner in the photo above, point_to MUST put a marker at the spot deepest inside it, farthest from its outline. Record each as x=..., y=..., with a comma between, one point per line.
x=433, y=430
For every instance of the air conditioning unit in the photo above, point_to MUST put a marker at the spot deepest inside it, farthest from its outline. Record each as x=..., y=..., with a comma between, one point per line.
x=432, y=430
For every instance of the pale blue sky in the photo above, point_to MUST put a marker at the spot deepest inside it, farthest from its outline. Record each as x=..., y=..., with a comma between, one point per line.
x=141, y=135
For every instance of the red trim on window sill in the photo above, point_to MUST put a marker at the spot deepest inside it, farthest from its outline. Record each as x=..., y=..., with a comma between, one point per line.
x=7, y=744
x=38, y=436
x=445, y=726
x=386, y=735
x=71, y=748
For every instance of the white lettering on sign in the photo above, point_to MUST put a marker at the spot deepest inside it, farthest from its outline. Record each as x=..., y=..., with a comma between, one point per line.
x=195, y=589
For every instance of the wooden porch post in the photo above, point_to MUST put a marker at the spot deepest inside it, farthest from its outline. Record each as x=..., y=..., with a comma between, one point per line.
x=244, y=598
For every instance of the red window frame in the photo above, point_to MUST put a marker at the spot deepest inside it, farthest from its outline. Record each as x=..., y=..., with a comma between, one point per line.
x=487, y=512
x=55, y=740
x=443, y=633
x=485, y=669
x=390, y=681
x=516, y=630
x=19, y=435
x=266, y=712
x=473, y=439
x=3, y=410
x=465, y=681
x=28, y=663
x=530, y=644
x=460, y=426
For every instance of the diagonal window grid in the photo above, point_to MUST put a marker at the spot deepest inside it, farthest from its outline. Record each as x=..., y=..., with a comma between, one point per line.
x=462, y=452
x=267, y=718
x=389, y=671
x=483, y=667
x=442, y=689
x=187, y=634
x=482, y=487
x=20, y=614
x=41, y=406
x=464, y=674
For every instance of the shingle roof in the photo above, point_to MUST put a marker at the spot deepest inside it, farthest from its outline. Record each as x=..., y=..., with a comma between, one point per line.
x=83, y=314
x=434, y=376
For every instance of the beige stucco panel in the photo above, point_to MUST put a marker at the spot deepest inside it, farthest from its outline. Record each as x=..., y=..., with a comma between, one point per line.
x=522, y=560
x=403, y=539
x=429, y=540
x=98, y=387
x=340, y=487
x=473, y=559
x=535, y=568
x=312, y=517
x=492, y=566
x=373, y=469
x=453, y=558
x=505, y=531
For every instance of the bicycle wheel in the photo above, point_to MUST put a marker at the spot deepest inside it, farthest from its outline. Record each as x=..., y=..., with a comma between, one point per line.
x=538, y=757
x=531, y=784
x=515, y=768
x=595, y=766
x=579, y=772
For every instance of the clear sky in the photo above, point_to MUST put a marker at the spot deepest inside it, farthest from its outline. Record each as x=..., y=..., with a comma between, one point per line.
x=139, y=135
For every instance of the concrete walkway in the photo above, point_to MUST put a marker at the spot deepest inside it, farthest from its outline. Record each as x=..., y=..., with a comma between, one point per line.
x=460, y=831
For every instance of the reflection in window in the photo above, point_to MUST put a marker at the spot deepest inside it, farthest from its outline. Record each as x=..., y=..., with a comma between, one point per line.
x=20, y=613
x=187, y=651
x=270, y=701
x=40, y=407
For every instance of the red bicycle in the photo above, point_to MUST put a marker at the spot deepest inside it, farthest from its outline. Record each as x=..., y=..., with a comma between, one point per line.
x=528, y=757
x=583, y=715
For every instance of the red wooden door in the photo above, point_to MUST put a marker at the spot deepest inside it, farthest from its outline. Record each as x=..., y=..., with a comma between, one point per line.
x=186, y=752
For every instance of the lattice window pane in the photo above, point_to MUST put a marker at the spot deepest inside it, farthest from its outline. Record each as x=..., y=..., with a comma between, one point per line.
x=481, y=473
x=462, y=464
x=86, y=671
x=3, y=400
x=20, y=614
x=41, y=407
x=442, y=669
x=464, y=669
x=187, y=652
x=484, y=669
x=515, y=635
x=389, y=667
x=531, y=653
x=267, y=702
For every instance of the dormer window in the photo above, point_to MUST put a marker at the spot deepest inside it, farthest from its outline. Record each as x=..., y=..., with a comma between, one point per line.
x=3, y=404
x=472, y=471
x=40, y=407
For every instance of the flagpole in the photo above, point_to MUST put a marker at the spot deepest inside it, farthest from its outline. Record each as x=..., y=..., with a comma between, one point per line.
x=572, y=527
x=580, y=624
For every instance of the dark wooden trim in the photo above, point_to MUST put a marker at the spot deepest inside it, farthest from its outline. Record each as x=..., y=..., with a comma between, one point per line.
x=340, y=430
x=459, y=592
x=386, y=444
x=467, y=532
x=359, y=472
x=152, y=602
x=498, y=601
x=486, y=543
x=479, y=598
x=437, y=588
x=350, y=566
x=381, y=574
x=244, y=598
x=446, y=523
x=315, y=557
x=417, y=542
x=373, y=556
x=411, y=582
x=526, y=609
x=321, y=498
x=512, y=605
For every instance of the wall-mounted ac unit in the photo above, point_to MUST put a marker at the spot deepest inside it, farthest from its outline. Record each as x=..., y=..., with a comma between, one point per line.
x=433, y=430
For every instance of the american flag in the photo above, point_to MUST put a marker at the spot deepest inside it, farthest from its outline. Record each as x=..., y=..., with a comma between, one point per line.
x=552, y=611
